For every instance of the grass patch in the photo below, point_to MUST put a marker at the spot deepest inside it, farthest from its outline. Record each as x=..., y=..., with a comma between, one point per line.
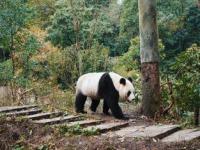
x=77, y=130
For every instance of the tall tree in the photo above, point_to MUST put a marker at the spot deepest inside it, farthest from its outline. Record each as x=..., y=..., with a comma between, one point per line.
x=149, y=57
x=14, y=15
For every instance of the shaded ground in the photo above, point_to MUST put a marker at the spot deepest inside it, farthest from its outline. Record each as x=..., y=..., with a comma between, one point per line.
x=22, y=134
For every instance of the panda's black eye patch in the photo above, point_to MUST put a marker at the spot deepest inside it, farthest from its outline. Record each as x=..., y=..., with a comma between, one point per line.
x=129, y=92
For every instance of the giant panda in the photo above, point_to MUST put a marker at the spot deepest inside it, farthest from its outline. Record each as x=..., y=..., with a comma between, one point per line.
x=109, y=86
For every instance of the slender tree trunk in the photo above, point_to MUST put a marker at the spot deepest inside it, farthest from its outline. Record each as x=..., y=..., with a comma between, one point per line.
x=198, y=3
x=196, y=116
x=12, y=53
x=149, y=57
x=3, y=53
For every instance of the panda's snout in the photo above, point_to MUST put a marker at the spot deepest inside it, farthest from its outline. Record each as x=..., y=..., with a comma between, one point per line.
x=131, y=98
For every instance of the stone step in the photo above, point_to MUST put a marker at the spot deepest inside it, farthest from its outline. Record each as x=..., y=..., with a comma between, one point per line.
x=183, y=135
x=108, y=126
x=24, y=112
x=44, y=115
x=15, y=108
x=85, y=123
x=155, y=131
x=56, y=120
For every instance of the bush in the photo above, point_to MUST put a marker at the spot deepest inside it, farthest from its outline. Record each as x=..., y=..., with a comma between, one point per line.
x=77, y=130
x=95, y=59
x=5, y=72
x=186, y=80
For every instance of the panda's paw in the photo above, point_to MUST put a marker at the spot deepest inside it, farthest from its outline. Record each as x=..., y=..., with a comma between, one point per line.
x=125, y=118
x=82, y=112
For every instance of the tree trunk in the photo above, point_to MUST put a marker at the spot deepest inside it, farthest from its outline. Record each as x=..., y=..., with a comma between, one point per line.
x=149, y=57
x=196, y=116
x=198, y=3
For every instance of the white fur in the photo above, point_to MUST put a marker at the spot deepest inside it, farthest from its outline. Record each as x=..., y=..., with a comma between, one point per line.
x=87, y=84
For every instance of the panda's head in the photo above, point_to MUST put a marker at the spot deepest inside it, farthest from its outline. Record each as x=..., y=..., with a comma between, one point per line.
x=126, y=89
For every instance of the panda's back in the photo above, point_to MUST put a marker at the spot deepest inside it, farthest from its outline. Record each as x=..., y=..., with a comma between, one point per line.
x=88, y=83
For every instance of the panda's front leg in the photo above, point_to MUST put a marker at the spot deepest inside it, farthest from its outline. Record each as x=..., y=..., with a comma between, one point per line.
x=80, y=102
x=94, y=104
x=115, y=108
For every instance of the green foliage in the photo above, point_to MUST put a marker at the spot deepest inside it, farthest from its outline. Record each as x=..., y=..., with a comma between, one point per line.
x=5, y=72
x=25, y=64
x=96, y=59
x=30, y=47
x=171, y=19
x=44, y=9
x=129, y=25
x=18, y=147
x=68, y=65
x=172, y=9
x=191, y=27
x=14, y=15
x=43, y=147
x=61, y=31
x=74, y=22
x=77, y=130
x=64, y=67
x=129, y=22
x=187, y=82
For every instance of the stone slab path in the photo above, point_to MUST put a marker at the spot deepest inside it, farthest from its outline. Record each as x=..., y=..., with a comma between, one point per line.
x=43, y=115
x=85, y=123
x=165, y=133
x=154, y=131
x=183, y=135
x=56, y=120
x=15, y=108
x=109, y=126
x=24, y=112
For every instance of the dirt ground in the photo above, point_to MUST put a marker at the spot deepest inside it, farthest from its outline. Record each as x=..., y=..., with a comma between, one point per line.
x=21, y=134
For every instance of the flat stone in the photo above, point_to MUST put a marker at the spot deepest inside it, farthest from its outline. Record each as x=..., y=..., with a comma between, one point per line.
x=15, y=108
x=128, y=130
x=156, y=131
x=56, y=120
x=85, y=122
x=43, y=115
x=109, y=126
x=24, y=112
x=183, y=135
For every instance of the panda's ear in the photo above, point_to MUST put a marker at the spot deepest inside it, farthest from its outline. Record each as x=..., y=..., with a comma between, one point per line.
x=130, y=79
x=122, y=81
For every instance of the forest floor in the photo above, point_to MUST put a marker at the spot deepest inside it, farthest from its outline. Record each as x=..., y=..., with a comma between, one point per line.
x=21, y=134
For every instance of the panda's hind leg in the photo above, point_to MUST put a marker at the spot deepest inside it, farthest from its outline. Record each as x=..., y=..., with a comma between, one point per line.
x=105, y=108
x=80, y=102
x=94, y=104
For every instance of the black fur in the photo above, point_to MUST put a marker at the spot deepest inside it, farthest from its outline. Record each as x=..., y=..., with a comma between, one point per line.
x=94, y=105
x=122, y=81
x=80, y=102
x=105, y=108
x=130, y=79
x=110, y=95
